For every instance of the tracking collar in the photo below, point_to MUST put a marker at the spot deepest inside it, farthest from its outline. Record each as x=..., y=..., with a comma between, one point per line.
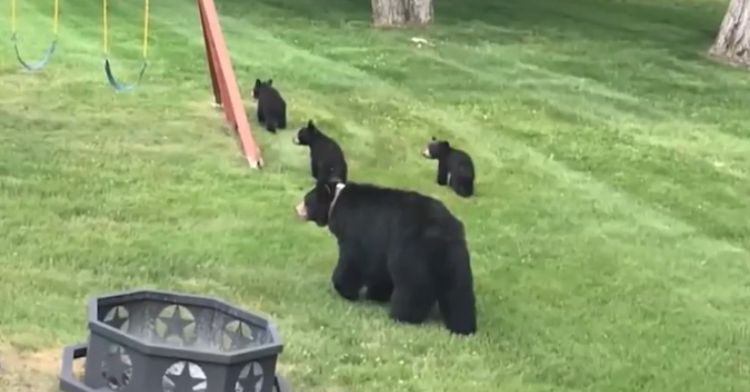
x=339, y=187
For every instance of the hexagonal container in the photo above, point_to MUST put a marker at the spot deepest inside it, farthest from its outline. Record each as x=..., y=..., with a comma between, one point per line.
x=144, y=341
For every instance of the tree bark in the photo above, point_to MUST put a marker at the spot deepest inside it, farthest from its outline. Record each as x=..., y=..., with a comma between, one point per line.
x=401, y=12
x=733, y=42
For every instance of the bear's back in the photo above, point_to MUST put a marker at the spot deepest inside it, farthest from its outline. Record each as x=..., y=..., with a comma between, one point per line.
x=371, y=209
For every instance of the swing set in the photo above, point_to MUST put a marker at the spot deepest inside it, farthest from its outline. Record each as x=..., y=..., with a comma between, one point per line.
x=39, y=65
x=225, y=88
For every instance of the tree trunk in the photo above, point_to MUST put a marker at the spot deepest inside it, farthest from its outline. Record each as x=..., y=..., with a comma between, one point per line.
x=401, y=12
x=733, y=41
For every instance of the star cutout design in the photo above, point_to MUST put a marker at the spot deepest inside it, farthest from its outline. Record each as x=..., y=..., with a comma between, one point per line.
x=118, y=368
x=253, y=380
x=237, y=339
x=184, y=382
x=119, y=317
x=175, y=324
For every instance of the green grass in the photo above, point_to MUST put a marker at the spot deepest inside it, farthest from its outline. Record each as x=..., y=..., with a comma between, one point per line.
x=610, y=234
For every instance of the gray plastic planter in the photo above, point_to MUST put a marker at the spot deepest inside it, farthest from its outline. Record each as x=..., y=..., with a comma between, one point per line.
x=152, y=341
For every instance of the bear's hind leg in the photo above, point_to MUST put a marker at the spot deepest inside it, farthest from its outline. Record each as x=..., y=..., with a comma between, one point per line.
x=456, y=298
x=270, y=122
x=458, y=310
x=282, y=120
x=411, y=304
x=462, y=186
x=338, y=172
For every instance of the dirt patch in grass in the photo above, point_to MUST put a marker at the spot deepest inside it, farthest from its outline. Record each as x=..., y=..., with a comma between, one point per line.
x=31, y=371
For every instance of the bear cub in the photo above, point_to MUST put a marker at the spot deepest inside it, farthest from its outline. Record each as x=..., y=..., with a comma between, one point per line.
x=327, y=162
x=271, y=110
x=455, y=167
x=401, y=246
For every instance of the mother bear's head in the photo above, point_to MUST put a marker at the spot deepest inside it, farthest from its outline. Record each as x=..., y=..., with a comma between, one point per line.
x=318, y=203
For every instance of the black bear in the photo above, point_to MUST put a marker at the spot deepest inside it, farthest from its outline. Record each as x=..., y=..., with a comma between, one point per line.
x=455, y=167
x=271, y=106
x=327, y=161
x=404, y=247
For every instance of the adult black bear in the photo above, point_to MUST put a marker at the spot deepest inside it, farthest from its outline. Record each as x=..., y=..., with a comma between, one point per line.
x=402, y=246
x=455, y=167
x=327, y=162
x=271, y=106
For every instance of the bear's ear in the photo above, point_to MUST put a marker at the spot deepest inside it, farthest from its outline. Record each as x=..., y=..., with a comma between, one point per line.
x=433, y=138
x=257, y=82
x=269, y=82
x=310, y=124
x=325, y=191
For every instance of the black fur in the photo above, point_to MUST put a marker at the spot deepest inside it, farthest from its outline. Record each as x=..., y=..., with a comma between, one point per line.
x=402, y=246
x=327, y=162
x=455, y=167
x=271, y=106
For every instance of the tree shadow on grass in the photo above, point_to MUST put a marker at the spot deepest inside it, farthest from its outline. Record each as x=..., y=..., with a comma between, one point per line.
x=638, y=34
x=332, y=11
x=686, y=25
x=634, y=40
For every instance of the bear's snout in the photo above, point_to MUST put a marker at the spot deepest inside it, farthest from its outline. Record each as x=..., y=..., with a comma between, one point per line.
x=295, y=140
x=426, y=153
x=301, y=210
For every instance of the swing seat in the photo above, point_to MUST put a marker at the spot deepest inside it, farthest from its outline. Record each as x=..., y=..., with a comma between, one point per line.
x=36, y=66
x=119, y=86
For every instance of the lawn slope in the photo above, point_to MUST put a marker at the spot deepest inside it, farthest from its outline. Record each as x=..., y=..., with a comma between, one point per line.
x=610, y=235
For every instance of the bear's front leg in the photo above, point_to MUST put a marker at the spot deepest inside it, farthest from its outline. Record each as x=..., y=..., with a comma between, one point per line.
x=313, y=167
x=323, y=172
x=347, y=279
x=259, y=113
x=442, y=174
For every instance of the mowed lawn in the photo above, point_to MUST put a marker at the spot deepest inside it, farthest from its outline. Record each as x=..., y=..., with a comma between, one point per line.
x=610, y=233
